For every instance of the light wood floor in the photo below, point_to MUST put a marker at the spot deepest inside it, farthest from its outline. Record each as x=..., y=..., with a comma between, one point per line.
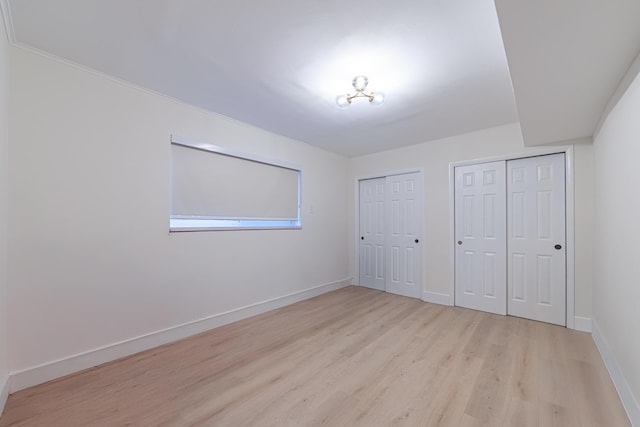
x=354, y=357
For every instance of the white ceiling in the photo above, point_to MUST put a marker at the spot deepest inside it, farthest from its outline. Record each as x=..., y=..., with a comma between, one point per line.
x=566, y=59
x=280, y=64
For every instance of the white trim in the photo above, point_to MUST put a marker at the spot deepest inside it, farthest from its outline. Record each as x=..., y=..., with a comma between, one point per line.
x=386, y=174
x=436, y=298
x=39, y=374
x=527, y=152
x=5, y=11
x=4, y=392
x=178, y=229
x=452, y=232
x=582, y=324
x=570, y=218
x=629, y=401
x=570, y=231
x=356, y=233
x=423, y=226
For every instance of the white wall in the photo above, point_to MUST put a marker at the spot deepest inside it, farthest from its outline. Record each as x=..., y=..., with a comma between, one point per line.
x=583, y=217
x=4, y=154
x=433, y=158
x=616, y=288
x=92, y=260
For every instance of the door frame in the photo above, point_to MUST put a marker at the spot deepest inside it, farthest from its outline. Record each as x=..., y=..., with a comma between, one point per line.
x=356, y=231
x=570, y=217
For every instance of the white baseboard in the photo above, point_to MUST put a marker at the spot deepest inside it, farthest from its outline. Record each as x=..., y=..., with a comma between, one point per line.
x=436, y=298
x=582, y=324
x=629, y=401
x=4, y=392
x=78, y=362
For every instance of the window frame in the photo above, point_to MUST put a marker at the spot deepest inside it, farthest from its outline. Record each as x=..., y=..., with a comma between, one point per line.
x=191, y=223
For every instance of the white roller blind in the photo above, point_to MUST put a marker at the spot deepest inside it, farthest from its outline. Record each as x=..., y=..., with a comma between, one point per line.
x=214, y=185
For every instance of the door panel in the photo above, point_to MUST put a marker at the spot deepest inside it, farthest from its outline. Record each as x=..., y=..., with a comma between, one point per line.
x=404, y=199
x=480, y=217
x=536, y=219
x=372, y=233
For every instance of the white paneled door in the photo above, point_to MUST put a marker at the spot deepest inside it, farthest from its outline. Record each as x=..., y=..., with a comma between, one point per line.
x=372, y=233
x=390, y=233
x=404, y=213
x=510, y=222
x=536, y=259
x=480, y=233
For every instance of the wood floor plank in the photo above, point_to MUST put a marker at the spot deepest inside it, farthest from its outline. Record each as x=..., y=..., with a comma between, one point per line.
x=521, y=413
x=353, y=357
x=491, y=392
x=553, y=415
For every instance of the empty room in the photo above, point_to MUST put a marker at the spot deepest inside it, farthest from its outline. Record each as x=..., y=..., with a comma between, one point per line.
x=286, y=213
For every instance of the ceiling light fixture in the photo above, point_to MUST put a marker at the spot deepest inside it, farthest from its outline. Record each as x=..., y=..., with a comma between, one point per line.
x=360, y=85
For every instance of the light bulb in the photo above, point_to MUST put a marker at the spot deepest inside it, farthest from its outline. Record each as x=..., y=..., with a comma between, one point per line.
x=342, y=101
x=360, y=83
x=378, y=99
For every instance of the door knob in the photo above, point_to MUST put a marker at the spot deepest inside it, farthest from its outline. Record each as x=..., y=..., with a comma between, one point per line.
x=417, y=241
x=459, y=242
x=558, y=247
x=361, y=237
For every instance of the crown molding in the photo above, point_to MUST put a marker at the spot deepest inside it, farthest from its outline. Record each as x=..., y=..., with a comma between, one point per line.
x=5, y=11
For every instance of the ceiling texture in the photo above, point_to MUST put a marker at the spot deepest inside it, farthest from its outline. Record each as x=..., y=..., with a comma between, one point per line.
x=279, y=65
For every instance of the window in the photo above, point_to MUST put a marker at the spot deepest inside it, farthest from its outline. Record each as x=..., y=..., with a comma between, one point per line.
x=215, y=188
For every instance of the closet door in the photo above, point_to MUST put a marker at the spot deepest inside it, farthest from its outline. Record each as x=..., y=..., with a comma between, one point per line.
x=536, y=238
x=404, y=225
x=480, y=232
x=372, y=233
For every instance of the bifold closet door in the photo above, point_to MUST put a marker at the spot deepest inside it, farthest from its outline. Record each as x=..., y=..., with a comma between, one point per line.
x=480, y=232
x=536, y=238
x=372, y=233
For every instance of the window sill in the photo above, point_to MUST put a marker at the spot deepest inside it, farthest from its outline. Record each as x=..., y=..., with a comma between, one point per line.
x=187, y=225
